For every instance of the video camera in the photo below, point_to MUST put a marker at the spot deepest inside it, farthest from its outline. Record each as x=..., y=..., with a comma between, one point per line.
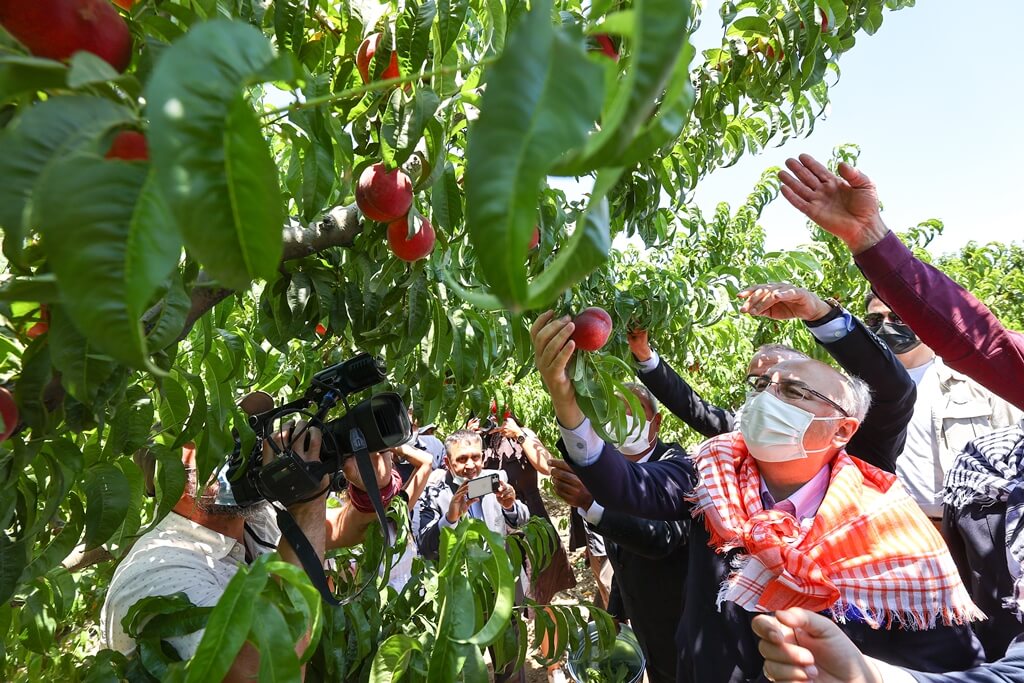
x=375, y=424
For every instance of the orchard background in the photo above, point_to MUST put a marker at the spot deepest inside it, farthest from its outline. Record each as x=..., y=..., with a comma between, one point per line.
x=180, y=226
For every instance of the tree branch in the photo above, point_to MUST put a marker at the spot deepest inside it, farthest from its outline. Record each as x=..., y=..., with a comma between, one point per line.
x=338, y=228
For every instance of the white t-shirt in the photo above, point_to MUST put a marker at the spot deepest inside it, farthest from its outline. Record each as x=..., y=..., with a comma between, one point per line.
x=178, y=555
x=919, y=467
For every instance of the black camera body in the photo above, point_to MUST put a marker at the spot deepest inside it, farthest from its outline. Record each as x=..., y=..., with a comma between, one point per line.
x=375, y=424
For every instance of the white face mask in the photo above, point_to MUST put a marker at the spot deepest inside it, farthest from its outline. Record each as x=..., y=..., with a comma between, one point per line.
x=636, y=441
x=459, y=481
x=774, y=430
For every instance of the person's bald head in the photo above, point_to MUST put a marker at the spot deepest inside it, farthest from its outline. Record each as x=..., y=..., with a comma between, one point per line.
x=768, y=356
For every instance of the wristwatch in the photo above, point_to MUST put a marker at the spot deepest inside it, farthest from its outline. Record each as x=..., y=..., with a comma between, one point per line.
x=521, y=439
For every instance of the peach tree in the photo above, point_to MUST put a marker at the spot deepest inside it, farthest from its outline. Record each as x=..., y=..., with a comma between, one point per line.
x=203, y=197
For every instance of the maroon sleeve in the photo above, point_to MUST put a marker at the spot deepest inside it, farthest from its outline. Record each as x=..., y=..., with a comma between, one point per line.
x=948, y=318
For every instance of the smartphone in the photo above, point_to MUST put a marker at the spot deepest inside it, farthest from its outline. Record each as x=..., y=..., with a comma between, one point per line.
x=481, y=486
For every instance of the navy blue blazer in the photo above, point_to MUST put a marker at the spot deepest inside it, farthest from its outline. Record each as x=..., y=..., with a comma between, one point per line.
x=718, y=646
x=1009, y=669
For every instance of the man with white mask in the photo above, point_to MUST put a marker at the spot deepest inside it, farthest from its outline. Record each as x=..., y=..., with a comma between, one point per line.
x=648, y=556
x=881, y=436
x=783, y=517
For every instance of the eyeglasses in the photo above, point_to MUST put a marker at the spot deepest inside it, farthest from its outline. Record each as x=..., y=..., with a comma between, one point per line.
x=795, y=391
x=873, y=321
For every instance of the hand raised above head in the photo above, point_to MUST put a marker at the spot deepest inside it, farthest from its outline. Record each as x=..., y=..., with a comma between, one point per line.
x=782, y=301
x=639, y=344
x=553, y=348
x=845, y=205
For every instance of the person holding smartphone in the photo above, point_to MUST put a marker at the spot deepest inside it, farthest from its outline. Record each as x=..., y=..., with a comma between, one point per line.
x=467, y=489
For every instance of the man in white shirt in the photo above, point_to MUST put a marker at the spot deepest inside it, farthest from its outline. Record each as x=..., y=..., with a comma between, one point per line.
x=200, y=545
x=950, y=411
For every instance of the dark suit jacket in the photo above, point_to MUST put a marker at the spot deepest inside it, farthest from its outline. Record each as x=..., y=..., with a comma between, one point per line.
x=649, y=558
x=976, y=536
x=718, y=646
x=1009, y=669
x=880, y=438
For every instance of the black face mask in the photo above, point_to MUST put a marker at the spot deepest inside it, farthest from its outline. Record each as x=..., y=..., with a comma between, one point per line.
x=898, y=337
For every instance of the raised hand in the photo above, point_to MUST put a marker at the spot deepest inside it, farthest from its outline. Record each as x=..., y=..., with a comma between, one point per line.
x=459, y=504
x=782, y=301
x=845, y=205
x=639, y=344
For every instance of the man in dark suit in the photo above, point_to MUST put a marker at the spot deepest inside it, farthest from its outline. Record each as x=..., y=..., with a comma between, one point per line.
x=860, y=353
x=648, y=556
x=769, y=498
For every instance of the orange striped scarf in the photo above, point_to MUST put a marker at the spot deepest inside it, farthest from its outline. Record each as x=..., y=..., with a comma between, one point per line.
x=870, y=551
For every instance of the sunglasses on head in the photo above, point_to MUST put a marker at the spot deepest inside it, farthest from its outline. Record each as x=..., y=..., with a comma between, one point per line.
x=873, y=321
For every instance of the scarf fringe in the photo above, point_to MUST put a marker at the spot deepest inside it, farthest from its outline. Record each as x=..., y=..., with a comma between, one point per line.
x=909, y=620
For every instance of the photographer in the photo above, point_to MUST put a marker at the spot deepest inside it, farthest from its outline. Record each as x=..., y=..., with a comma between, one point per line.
x=199, y=546
x=446, y=502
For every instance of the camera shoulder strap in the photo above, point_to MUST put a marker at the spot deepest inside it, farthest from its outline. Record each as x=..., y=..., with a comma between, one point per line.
x=308, y=557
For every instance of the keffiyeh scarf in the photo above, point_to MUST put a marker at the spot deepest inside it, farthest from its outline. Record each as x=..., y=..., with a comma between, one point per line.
x=869, y=552
x=990, y=470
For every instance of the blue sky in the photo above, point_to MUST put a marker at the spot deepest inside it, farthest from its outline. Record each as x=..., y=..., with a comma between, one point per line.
x=934, y=100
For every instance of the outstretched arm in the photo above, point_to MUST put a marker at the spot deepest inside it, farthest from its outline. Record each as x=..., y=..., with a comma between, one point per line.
x=960, y=329
x=675, y=393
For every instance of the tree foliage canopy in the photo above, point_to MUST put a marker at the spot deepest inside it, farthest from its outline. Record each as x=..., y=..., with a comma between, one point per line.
x=234, y=258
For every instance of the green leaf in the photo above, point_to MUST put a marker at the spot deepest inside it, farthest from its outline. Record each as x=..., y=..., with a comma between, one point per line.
x=392, y=658
x=111, y=243
x=14, y=556
x=404, y=124
x=19, y=73
x=45, y=133
x=41, y=625
x=660, y=34
x=42, y=288
x=87, y=68
x=526, y=121
x=671, y=117
x=108, y=497
x=170, y=481
x=586, y=249
x=165, y=327
x=451, y=15
x=413, y=34
x=446, y=201
x=83, y=369
x=229, y=624
x=751, y=24
x=278, y=661
x=504, y=588
x=213, y=163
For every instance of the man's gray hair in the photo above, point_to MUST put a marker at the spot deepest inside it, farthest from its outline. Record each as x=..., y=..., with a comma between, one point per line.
x=858, y=397
x=644, y=393
x=462, y=437
x=781, y=351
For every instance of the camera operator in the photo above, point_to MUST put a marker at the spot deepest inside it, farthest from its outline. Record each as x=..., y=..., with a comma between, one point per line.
x=200, y=545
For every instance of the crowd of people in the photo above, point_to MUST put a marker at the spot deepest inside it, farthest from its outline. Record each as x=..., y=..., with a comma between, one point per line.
x=857, y=522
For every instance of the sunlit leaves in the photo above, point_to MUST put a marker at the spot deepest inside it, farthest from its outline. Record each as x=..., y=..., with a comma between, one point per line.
x=525, y=123
x=211, y=158
x=111, y=243
x=42, y=136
